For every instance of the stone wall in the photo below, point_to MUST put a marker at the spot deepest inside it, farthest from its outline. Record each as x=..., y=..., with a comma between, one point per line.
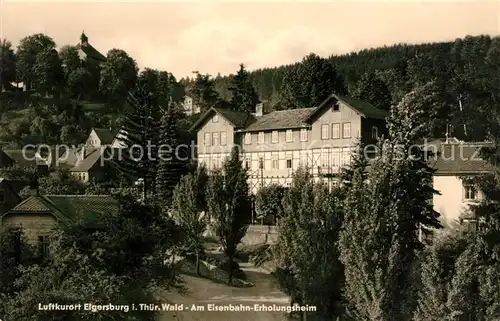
x=260, y=234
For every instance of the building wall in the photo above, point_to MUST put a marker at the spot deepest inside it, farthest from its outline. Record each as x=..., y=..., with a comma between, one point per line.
x=451, y=204
x=215, y=152
x=93, y=139
x=33, y=225
x=345, y=115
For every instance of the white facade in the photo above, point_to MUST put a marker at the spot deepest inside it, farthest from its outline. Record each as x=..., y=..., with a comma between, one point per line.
x=189, y=106
x=455, y=199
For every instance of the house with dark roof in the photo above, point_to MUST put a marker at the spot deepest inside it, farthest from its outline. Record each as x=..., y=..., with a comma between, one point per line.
x=87, y=52
x=39, y=158
x=276, y=143
x=39, y=215
x=454, y=161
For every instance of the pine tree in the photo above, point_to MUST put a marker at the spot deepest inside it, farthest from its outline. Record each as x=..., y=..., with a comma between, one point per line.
x=243, y=94
x=385, y=212
x=230, y=206
x=372, y=89
x=140, y=134
x=172, y=160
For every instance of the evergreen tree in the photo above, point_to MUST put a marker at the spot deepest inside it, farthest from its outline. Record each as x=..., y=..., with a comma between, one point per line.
x=140, y=134
x=204, y=93
x=243, y=94
x=307, y=246
x=230, y=206
x=309, y=83
x=386, y=212
x=172, y=160
x=372, y=89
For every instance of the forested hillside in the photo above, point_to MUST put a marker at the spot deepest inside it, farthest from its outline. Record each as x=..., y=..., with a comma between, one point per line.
x=68, y=93
x=466, y=72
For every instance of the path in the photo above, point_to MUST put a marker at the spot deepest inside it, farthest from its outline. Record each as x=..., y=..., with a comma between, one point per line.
x=203, y=292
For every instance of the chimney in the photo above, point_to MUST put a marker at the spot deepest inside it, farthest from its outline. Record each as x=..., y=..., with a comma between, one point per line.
x=259, y=109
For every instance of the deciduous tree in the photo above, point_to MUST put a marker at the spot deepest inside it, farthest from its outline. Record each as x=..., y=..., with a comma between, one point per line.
x=118, y=76
x=7, y=64
x=229, y=205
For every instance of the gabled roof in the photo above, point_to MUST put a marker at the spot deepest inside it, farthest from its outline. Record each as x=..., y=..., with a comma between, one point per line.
x=91, y=52
x=66, y=207
x=105, y=135
x=236, y=118
x=74, y=162
x=15, y=185
x=22, y=158
x=282, y=119
x=460, y=159
x=363, y=108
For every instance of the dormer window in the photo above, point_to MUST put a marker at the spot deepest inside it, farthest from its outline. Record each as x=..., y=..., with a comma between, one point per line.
x=215, y=119
x=336, y=107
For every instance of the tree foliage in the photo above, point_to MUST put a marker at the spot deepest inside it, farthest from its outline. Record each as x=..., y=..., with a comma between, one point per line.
x=309, y=83
x=7, y=64
x=372, y=89
x=243, y=94
x=268, y=201
x=118, y=75
x=230, y=206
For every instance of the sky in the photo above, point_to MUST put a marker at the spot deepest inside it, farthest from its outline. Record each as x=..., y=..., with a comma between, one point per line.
x=215, y=37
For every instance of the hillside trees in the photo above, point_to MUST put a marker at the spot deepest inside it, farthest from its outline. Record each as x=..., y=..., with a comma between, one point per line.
x=230, y=206
x=27, y=52
x=372, y=89
x=306, y=251
x=204, y=93
x=118, y=76
x=7, y=64
x=309, y=83
x=243, y=94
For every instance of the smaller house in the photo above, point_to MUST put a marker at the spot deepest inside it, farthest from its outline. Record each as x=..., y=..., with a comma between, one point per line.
x=39, y=215
x=88, y=163
x=87, y=52
x=454, y=162
x=189, y=107
x=100, y=137
x=40, y=159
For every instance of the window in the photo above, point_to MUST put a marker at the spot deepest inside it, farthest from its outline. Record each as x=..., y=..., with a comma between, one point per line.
x=289, y=136
x=335, y=131
x=324, y=158
x=2, y=197
x=274, y=136
x=303, y=135
x=260, y=139
x=274, y=161
x=215, y=139
x=43, y=243
x=223, y=138
x=324, y=131
x=207, y=139
x=346, y=130
x=288, y=163
x=215, y=119
x=470, y=192
x=346, y=157
x=248, y=162
x=248, y=138
x=261, y=163
x=336, y=107
x=374, y=132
